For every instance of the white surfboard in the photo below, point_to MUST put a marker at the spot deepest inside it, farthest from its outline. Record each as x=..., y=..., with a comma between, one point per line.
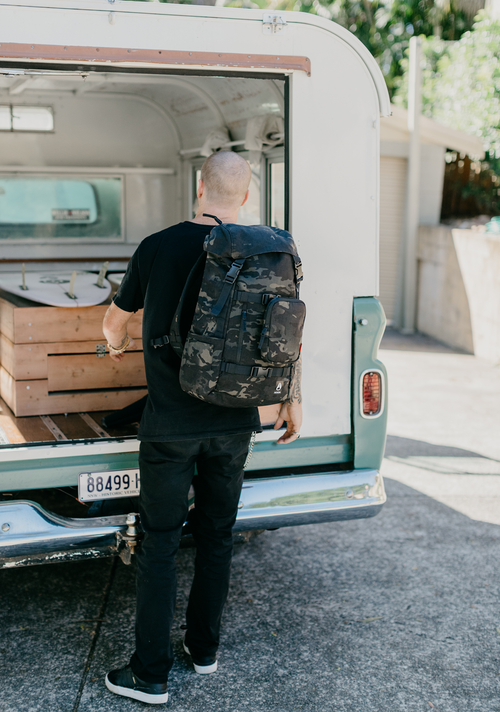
x=53, y=288
x=116, y=277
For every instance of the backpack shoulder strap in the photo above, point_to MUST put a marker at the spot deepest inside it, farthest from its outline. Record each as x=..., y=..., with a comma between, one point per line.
x=175, y=336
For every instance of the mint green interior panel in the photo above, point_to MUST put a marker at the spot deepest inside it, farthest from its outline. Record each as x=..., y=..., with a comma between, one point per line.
x=59, y=472
x=47, y=471
x=303, y=452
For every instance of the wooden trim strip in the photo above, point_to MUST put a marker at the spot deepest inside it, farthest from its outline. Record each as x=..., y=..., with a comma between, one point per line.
x=92, y=424
x=102, y=55
x=54, y=429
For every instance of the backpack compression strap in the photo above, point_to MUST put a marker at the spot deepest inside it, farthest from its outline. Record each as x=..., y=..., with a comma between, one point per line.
x=256, y=371
x=229, y=280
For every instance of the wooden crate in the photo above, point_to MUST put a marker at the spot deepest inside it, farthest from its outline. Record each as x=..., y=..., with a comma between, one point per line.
x=51, y=360
x=24, y=322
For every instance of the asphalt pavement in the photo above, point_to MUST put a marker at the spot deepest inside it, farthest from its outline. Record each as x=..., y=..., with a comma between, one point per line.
x=399, y=613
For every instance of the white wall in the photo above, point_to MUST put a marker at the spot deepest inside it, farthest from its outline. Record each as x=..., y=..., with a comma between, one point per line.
x=91, y=131
x=432, y=166
x=459, y=289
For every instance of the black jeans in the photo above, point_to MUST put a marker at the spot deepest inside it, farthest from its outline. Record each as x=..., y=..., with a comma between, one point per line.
x=167, y=471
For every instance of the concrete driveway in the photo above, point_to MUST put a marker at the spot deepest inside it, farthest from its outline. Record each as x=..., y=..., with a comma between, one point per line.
x=399, y=613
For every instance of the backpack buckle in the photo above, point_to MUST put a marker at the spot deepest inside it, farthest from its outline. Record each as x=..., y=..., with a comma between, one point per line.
x=266, y=298
x=233, y=272
x=158, y=343
x=299, y=275
x=259, y=372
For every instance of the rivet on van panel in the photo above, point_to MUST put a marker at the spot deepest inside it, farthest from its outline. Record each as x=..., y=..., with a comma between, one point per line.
x=5, y=527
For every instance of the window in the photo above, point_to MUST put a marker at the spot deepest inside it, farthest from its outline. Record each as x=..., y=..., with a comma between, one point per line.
x=276, y=175
x=47, y=207
x=250, y=212
x=26, y=118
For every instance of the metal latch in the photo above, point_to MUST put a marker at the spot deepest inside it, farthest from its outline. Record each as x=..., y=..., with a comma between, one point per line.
x=273, y=23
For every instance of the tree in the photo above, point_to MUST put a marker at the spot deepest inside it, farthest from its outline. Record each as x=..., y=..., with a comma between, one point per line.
x=461, y=82
x=461, y=89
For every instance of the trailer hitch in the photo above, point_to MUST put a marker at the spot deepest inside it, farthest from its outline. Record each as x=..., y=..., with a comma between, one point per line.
x=127, y=541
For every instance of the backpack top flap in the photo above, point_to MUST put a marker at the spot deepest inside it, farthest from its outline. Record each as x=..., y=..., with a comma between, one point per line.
x=241, y=241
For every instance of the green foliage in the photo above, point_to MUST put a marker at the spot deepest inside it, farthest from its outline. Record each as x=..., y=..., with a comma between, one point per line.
x=461, y=83
x=433, y=50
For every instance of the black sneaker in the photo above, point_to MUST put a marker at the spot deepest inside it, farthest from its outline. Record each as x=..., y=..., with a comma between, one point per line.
x=124, y=682
x=203, y=666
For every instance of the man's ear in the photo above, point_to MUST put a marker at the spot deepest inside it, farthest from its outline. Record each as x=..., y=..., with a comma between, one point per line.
x=201, y=189
x=246, y=197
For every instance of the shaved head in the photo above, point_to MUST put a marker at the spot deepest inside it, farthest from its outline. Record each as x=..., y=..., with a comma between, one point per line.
x=226, y=177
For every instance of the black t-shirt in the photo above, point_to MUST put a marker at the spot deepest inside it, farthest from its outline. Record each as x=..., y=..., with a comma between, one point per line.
x=155, y=278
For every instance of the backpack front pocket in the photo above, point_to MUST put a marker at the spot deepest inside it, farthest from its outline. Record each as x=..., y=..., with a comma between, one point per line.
x=200, y=366
x=281, y=335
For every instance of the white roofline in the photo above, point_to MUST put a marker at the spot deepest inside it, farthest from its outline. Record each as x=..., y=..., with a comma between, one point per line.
x=297, y=18
x=433, y=132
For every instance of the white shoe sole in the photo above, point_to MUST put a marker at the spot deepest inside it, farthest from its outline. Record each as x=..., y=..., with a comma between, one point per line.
x=201, y=669
x=136, y=694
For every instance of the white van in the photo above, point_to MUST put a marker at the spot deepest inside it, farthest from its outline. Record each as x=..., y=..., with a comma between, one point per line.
x=120, y=102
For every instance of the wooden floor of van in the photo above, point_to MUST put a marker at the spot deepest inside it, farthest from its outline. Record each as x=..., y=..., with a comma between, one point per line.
x=47, y=428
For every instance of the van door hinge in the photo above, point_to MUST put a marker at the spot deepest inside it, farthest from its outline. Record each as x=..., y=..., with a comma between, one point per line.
x=273, y=23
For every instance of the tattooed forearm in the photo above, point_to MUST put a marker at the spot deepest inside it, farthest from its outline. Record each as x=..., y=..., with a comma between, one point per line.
x=295, y=395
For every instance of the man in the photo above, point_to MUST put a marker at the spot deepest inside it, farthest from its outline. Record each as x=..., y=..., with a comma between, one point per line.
x=178, y=432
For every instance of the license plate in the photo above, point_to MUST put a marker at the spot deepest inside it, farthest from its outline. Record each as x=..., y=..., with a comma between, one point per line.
x=108, y=485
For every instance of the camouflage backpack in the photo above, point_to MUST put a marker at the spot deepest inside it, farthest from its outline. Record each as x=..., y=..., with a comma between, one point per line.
x=246, y=333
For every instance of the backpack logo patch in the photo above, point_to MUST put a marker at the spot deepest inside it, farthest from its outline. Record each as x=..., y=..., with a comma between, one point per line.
x=279, y=386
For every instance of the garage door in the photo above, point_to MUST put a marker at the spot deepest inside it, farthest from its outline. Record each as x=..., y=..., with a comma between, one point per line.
x=392, y=205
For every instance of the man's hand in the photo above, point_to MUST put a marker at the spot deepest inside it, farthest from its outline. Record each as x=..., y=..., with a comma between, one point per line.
x=292, y=414
x=291, y=410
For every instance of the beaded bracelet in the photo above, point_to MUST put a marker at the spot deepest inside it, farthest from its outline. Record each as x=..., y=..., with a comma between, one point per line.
x=122, y=348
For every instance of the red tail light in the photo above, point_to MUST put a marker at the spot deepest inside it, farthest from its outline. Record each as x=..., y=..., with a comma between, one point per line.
x=372, y=394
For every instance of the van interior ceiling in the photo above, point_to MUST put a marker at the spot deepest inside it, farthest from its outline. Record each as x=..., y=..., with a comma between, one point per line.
x=94, y=161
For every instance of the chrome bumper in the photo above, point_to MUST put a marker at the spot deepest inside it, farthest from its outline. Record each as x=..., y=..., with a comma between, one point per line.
x=31, y=535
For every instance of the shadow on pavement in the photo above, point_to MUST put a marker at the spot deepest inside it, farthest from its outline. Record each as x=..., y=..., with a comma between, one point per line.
x=394, y=340
x=407, y=447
